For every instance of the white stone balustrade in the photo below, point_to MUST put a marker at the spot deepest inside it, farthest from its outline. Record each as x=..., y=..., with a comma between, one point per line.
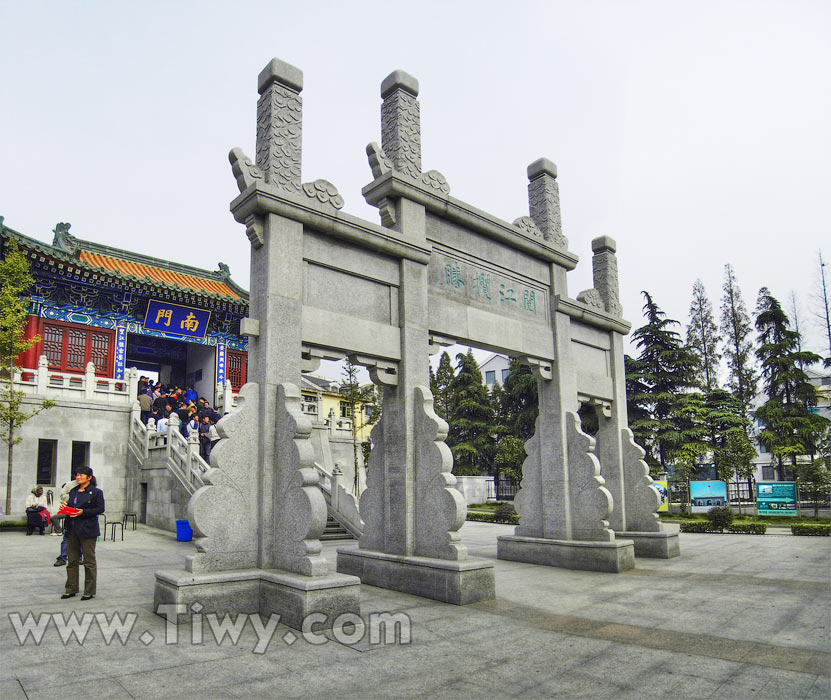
x=48, y=384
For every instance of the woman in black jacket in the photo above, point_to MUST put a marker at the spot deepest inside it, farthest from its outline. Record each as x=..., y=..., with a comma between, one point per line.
x=82, y=532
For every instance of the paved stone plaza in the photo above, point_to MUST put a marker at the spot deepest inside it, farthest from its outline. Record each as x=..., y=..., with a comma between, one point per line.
x=736, y=616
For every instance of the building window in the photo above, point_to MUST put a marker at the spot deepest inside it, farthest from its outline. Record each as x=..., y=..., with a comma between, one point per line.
x=490, y=376
x=69, y=348
x=345, y=409
x=47, y=451
x=505, y=373
x=762, y=449
x=236, y=368
x=767, y=473
x=80, y=456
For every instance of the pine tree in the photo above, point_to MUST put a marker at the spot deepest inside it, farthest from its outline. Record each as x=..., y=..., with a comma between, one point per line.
x=440, y=386
x=736, y=332
x=521, y=403
x=15, y=280
x=790, y=429
x=663, y=371
x=702, y=338
x=823, y=308
x=471, y=418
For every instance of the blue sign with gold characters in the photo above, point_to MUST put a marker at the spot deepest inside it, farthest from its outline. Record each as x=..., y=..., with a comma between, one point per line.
x=176, y=320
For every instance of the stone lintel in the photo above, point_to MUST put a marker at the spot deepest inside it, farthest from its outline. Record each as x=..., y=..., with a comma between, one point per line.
x=603, y=244
x=612, y=557
x=455, y=582
x=280, y=72
x=399, y=80
x=654, y=545
x=592, y=317
x=393, y=185
x=263, y=591
x=543, y=166
x=264, y=199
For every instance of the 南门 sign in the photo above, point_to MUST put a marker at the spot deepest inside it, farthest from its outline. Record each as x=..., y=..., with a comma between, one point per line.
x=175, y=319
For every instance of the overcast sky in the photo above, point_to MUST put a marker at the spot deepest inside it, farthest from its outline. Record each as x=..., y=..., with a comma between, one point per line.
x=694, y=133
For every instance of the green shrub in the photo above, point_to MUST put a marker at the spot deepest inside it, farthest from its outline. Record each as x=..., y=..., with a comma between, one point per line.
x=748, y=529
x=13, y=523
x=697, y=526
x=820, y=530
x=510, y=518
x=720, y=517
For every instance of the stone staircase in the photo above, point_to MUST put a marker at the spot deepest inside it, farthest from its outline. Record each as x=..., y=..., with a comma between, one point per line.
x=180, y=457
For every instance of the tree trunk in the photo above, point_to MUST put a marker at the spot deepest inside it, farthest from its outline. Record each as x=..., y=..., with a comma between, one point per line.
x=9, y=471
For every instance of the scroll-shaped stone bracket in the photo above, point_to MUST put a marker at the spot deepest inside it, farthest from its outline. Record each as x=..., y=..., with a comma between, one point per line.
x=372, y=503
x=436, y=342
x=541, y=369
x=245, y=172
x=378, y=161
x=439, y=508
x=591, y=298
x=602, y=406
x=310, y=357
x=526, y=224
x=324, y=192
x=223, y=513
x=299, y=506
x=528, y=500
x=590, y=502
x=381, y=372
x=254, y=230
x=642, y=498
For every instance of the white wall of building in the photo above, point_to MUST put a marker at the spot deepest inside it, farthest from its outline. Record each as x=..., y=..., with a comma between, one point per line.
x=202, y=358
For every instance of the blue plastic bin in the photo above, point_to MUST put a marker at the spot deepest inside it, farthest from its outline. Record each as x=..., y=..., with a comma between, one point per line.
x=183, y=531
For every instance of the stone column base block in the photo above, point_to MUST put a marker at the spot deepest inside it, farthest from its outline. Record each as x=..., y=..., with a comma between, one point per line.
x=655, y=545
x=613, y=557
x=263, y=591
x=456, y=582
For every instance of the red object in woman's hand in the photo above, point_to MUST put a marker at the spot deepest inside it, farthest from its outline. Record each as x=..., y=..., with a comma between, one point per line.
x=69, y=510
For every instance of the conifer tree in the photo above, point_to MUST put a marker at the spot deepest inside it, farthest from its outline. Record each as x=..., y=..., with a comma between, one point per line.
x=471, y=418
x=440, y=385
x=663, y=371
x=521, y=407
x=702, y=338
x=736, y=333
x=789, y=429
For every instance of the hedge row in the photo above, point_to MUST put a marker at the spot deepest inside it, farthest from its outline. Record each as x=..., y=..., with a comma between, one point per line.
x=510, y=519
x=737, y=529
x=821, y=530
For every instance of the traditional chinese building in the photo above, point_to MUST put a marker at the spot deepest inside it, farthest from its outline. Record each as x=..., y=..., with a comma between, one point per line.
x=119, y=309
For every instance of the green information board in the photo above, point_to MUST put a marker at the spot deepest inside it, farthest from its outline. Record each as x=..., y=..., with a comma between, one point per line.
x=776, y=498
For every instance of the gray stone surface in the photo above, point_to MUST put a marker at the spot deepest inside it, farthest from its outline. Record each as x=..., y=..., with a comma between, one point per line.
x=664, y=544
x=611, y=557
x=720, y=622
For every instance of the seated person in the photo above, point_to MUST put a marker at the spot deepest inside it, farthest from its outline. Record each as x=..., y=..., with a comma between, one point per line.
x=37, y=513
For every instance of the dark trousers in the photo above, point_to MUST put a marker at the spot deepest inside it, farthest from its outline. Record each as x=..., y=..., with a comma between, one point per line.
x=144, y=416
x=75, y=546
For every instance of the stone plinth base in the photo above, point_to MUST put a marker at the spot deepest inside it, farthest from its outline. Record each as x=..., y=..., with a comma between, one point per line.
x=263, y=591
x=656, y=545
x=612, y=557
x=456, y=582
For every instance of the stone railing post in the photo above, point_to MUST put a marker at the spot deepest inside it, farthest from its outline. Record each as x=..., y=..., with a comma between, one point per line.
x=89, y=381
x=172, y=426
x=132, y=384
x=42, y=375
x=227, y=397
x=334, y=485
x=193, y=450
x=332, y=421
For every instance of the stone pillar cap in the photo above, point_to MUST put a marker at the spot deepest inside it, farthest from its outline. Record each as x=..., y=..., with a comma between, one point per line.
x=604, y=243
x=543, y=166
x=399, y=80
x=278, y=71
